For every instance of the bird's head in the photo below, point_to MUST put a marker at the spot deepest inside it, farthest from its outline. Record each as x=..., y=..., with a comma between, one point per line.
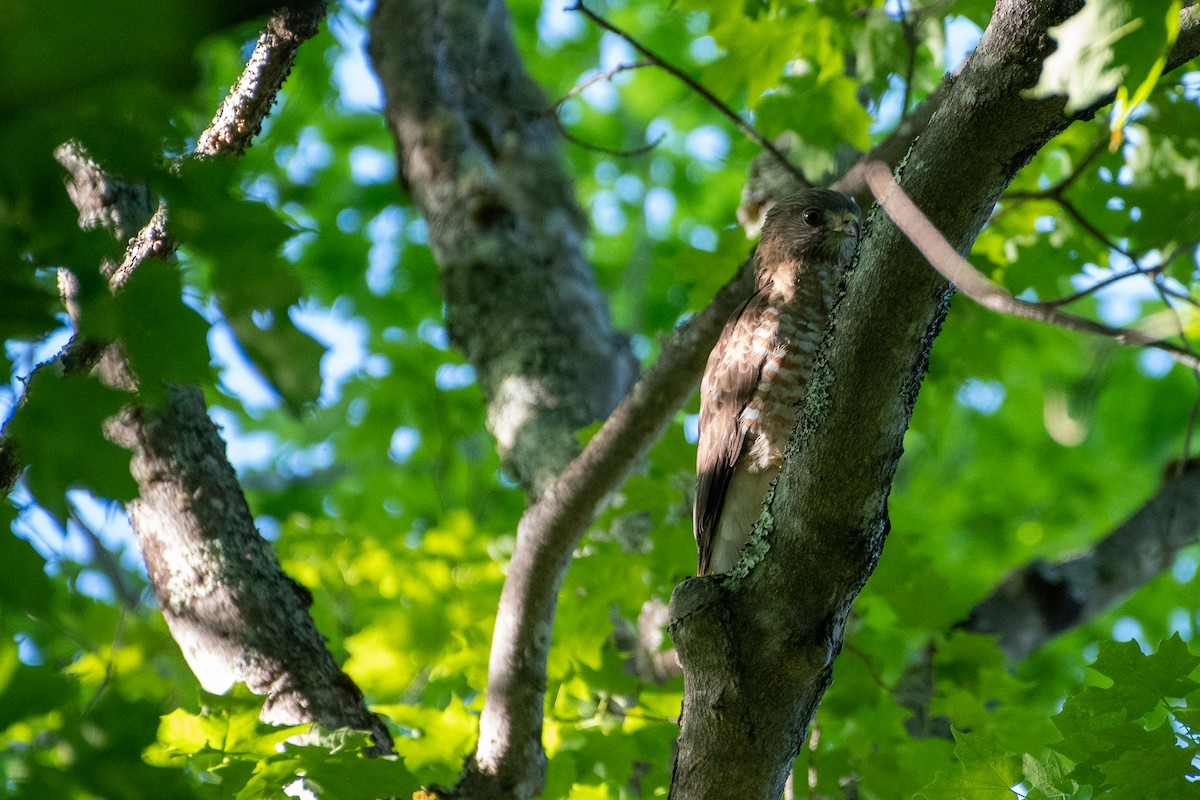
x=813, y=228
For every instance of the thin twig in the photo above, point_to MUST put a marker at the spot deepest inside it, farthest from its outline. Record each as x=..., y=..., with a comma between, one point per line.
x=1099, y=146
x=1057, y=194
x=1054, y=192
x=971, y=282
x=599, y=76
x=1153, y=273
x=1091, y=228
x=1146, y=272
x=238, y=120
x=599, y=148
x=699, y=89
x=105, y=560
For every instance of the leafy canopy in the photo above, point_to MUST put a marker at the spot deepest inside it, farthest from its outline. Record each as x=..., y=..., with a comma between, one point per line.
x=305, y=278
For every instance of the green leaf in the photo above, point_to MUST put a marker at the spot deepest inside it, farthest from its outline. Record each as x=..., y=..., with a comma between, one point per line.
x=1151, y=766
x=1048, y=776
x=987, y=771
x=1110, y=45
x=29, y=305
x=345, y=774
x=1087, y=723
x=58, y=432
x=26, y=587
x=228, y=724
x=287, y=357
x=434, y=741
x=164, y=340
x=1141, y=682
x=812, y=95
x=239, y=241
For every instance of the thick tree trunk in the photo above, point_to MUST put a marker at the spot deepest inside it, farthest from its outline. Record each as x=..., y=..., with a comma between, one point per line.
x=478, y=149
x=758, y=647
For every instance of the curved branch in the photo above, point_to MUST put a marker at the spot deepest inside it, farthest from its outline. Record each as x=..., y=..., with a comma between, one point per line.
x=1044, y=599
x=1142, y=272
x=611, y=151
x=971, y=282
x=607, y=75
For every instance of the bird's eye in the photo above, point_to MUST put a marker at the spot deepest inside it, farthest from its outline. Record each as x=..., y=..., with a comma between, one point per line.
x=812, y=217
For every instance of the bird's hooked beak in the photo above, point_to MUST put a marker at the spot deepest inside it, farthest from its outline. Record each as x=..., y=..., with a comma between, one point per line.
x=849, y=225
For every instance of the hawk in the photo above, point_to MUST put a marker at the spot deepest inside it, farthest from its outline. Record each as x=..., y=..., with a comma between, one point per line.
x=758, y=372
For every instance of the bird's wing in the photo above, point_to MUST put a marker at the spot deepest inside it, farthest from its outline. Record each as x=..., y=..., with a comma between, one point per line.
x=730, y=379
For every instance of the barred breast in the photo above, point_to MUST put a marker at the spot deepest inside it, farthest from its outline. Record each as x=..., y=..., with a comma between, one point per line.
x=786, y=339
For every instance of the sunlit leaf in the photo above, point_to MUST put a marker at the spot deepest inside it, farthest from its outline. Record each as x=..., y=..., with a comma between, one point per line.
x=1109, y=45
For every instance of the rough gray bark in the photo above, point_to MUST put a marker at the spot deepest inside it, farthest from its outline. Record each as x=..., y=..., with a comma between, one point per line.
x=234, y=613
x=758, y=647
x=240, y=117
x=230, y=607
x=1044, y=599
x=103, y=201
x=438, y=66
x=478, y=150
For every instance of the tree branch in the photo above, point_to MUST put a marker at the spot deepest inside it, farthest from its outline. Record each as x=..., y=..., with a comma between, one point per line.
x=235, y=614
x=611, y=151
x=971, y=282
x=1044, y=599
x=607, y=75
x=240, y=117
x=1143, y=272
x=504, y=228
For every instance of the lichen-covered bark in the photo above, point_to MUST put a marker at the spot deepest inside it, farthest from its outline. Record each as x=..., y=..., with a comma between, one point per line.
x=478, y=150
x=237, y=617
x=234, y=613
x=758, y=648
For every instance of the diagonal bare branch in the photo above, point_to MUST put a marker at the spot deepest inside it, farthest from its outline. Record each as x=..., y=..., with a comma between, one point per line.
x=235, y=614
x=972, y=283
x=607, y=75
